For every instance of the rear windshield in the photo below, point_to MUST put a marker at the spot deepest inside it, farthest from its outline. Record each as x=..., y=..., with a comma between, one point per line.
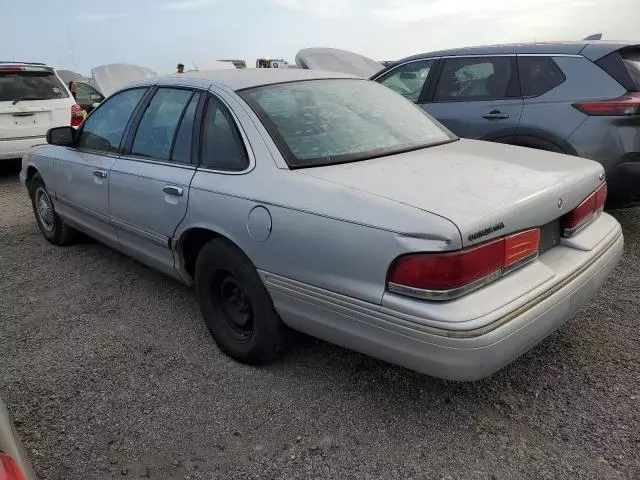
x=30, y=85
x=632, y=61
x=323, y=122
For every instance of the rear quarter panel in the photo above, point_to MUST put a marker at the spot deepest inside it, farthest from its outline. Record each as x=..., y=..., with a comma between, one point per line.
x=551, y=115
x=320, y=233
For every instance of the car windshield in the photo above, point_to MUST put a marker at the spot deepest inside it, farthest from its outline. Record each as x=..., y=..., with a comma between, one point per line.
x=323, y=122
x=22, y=85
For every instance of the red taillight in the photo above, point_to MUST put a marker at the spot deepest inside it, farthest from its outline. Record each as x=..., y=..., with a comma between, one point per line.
x=442, y=276
x=9, y=469
x=77, y=115
x=628, y=104
x=580, y=216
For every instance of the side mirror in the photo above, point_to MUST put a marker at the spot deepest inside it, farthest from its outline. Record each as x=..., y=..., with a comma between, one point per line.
x=62, y=136
x=407, y=76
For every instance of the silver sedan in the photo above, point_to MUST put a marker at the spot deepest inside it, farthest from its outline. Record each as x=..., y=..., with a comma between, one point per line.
x=331, y=205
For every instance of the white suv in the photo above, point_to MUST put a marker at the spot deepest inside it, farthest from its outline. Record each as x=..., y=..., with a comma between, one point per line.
x=33, y=99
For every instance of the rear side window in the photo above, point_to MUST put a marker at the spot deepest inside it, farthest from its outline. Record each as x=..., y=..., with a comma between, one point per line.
x=631, y=59
x=477, y=78
x=104, y=128
x=538, y=75
x=30, y=85
x=160, y=122
x=222, y=147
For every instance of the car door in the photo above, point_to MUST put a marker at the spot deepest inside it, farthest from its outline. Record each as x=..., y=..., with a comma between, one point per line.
x=81, y=176
x=477, y=97
x=149, y=184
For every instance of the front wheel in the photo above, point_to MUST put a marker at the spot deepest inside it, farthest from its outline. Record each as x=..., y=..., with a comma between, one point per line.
x=49, y=222
x=236, y=306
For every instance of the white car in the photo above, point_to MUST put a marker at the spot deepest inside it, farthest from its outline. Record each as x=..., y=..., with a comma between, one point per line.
x=33, y=99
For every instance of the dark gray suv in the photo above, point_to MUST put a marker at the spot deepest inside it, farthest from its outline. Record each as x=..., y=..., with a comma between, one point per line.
x=579, y=98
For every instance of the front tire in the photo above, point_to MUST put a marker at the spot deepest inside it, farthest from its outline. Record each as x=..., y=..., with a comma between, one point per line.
x=53, y=228
x=236, y=306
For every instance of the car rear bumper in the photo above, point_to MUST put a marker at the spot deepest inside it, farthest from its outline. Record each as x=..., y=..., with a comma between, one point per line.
x=464, y=355
x=16, y=147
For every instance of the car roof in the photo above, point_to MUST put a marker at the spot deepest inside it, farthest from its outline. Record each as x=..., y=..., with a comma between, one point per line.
x=242, y=78
x=596, y=48
x=6, y=64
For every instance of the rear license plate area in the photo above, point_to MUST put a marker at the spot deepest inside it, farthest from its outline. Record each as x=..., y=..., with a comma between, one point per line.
x=550, y=235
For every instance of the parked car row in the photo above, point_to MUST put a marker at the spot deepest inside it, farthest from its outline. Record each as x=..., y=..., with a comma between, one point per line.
x=327, y=203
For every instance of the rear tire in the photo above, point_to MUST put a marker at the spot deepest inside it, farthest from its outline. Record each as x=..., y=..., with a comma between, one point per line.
x=53, y=228
x=236, y=306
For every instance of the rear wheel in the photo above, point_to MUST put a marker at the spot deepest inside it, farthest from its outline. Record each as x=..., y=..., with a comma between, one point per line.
x=236, y=306
x=51, y=225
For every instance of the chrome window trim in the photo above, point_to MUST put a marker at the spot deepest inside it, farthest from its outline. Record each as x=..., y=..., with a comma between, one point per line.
x=476, y=55
x=168, y=163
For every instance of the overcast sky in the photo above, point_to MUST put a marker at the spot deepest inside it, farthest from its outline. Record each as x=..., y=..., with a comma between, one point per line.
x=158, y=34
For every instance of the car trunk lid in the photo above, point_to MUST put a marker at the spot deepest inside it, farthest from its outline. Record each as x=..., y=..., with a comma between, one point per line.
x=486, y=189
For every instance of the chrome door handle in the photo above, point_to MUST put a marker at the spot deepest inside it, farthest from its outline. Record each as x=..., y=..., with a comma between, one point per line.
x=495, y=114
x=100, y=173
x=173, y=190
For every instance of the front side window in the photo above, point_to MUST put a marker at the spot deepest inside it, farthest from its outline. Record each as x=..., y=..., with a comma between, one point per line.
x=22, y=85
x=323, y=122
x=104, y=128
x=159, y=123
x=538, y=75
x=485, y=78
x=408, y=79
x=222, y=146
x=87, y=95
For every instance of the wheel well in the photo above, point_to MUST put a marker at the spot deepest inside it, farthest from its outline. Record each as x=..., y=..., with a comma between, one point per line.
x=31, y=171
x=192, y=242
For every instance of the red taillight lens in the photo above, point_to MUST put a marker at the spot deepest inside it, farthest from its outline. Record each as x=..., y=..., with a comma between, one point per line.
x=9, y=469
x=520, y=246
x=77, y=115
x=442, y=276
x=445, y=271
x=628, y=104
x=580, y=216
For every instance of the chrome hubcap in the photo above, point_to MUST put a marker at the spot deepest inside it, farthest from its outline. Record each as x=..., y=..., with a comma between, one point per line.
x=44, y=208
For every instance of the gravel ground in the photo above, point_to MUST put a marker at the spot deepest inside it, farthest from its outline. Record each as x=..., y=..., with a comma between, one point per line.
x=109, y=372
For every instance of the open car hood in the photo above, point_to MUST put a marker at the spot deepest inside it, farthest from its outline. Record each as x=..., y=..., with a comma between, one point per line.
x=111, y=78
x=70, y=76
x=205, y=66
x=335, y=60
